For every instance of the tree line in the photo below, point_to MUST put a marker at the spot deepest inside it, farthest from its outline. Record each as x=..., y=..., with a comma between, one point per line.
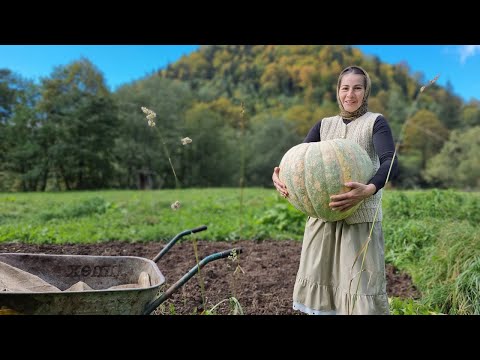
x=70, y=132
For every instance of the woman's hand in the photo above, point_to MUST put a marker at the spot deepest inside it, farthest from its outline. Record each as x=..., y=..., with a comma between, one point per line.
x=359, y=192
x=281, y=188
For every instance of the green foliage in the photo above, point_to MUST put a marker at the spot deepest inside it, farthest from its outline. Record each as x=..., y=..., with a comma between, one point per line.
x=449, y=106
x=452, y=266
x=396, y=109
x=409, y=171
x=424, y=132
x=470, y=114
x=433, y=235
x=400, y=306
x=438, y=204
x=213, y=158
x=136, y=215
x=270, y=137
x=7, y=180
x=8, y=93
x=80, y=126
x=466, y=293
x=407, y=241
x=268, y=71
x=282, y=216
x=20, y=135
x=162, y=309
x=87, y=207
x=457, y=163
x=140, y=160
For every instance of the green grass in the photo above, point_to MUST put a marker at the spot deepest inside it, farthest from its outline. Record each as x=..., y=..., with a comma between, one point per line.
x=410, y=307
x=433, y=235
x=87, y=217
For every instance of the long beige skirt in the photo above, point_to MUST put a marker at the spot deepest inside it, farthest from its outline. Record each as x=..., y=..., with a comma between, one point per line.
x=327, y=277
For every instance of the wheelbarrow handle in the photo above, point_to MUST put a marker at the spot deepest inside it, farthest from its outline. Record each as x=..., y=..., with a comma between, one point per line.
x=176, y=238
x=220, y=255
x=198, y=229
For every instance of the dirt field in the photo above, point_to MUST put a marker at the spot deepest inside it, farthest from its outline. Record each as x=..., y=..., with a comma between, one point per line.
x=262, y=280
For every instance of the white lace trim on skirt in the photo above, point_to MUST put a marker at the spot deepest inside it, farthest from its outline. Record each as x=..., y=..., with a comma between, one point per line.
x=307, y=310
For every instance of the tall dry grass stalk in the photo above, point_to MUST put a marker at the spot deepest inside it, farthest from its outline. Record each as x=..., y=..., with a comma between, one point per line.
x=151, y=116
x=235, y=307
x=242, y=164
x=364, y=248
x=151, y=122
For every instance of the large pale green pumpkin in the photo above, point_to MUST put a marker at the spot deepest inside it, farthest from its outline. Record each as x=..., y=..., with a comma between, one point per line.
x=313, y=172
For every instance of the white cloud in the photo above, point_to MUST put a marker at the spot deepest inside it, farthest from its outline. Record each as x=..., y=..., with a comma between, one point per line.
x=467, y=51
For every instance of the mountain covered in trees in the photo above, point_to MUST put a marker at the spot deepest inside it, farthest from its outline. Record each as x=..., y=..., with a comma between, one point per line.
x=243, y=106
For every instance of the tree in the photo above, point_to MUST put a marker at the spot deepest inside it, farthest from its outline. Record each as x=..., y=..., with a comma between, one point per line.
x=424, y=132
x=140, y=159
x=25, y=157
x=212, y=159
x=301, y=117
x=20, y=153
x=470, y=114
x=268, y=141
x=8, y=95
x=457, y=165
x=397, y=108
x=8, y=91
x=450, y=106
x=81, y=115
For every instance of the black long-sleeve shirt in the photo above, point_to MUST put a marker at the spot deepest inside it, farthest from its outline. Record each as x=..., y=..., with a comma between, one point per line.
x=382, y=142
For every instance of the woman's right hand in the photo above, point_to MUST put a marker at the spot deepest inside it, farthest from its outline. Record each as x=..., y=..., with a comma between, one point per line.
x=281, y=188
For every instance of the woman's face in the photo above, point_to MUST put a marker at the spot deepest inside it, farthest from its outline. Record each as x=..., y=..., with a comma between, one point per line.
x=352, y=90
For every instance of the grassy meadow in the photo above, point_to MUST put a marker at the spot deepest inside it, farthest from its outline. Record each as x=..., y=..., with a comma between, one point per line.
x=433, y=235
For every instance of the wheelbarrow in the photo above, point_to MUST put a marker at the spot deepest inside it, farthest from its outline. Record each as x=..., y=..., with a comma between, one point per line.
x=100, y=273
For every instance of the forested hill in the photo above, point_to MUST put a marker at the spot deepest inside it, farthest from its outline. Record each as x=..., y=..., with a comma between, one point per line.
x=299, y=81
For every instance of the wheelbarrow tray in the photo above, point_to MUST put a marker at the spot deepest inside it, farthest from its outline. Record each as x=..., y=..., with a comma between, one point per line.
x=98, y=272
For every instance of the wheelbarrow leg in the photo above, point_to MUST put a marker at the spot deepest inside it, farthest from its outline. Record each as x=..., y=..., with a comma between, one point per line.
x=151, y=307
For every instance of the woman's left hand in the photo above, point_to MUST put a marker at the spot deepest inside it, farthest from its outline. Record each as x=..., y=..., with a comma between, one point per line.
x=359, y=192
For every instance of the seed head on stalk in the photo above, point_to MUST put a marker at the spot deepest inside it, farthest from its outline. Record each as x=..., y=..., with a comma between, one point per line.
x=233, y=257
x=433, y=81
x=186, y=141
x=150, y=115
x=175, y=205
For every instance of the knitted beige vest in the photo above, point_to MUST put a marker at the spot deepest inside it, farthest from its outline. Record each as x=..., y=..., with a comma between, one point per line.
x=360, y=131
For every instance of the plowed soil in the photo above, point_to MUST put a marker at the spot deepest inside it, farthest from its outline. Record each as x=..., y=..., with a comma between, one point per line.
x=261, y=279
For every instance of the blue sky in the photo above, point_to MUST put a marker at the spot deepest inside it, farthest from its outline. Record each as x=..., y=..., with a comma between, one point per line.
x=459, y=64
x=124, y=63
x=119, y=64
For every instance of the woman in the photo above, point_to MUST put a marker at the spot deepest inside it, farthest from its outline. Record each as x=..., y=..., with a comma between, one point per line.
x=328, y=274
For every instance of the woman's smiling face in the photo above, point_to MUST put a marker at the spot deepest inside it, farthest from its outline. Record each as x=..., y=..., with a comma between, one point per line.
x=352, y=91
